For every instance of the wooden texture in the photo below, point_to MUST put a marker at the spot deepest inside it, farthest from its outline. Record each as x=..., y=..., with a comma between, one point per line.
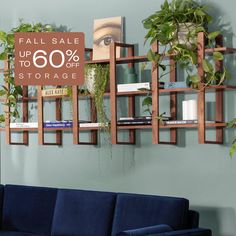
x=7, y=108
x=40, y=116
x=113, y=101
x=131, y=99
x=219, y=96
x=201, y=93
x=75, y=108
x=155, y=98
x=58, y=117
x=25, y=115
x=173, y=102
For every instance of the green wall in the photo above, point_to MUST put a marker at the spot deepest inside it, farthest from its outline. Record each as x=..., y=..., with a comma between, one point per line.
x=202, y=173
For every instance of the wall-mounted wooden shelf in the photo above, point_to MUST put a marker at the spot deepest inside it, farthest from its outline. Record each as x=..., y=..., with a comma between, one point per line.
x=155, y=92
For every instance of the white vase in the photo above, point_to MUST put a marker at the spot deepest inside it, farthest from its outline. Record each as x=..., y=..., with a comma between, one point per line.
x=182, y=34
x=89, y=80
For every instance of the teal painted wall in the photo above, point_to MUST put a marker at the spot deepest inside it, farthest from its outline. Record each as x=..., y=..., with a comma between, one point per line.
x=202, y=173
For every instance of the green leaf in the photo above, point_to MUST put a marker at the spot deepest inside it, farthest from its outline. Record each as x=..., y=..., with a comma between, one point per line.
x=232, y=149
x=231, y=123
x=147, y=110
x=218, y=56
x=200, y=29
x=3, y=36
x=3, y=56
x=163, y=67
x=143, y=66
x=3, y=92
x=213, y=35
x=147, y=101
x=18, y=90
x=151, y=55
x=200, y=12
x=143, y=89
x=222, y=77
x=2, y=118
x=11, y=98
x=207, y=66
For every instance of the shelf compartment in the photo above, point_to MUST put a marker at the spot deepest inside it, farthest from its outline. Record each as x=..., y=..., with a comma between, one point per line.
x=25, y=114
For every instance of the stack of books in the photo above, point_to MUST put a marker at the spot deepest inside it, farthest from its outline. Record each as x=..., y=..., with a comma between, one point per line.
x=140, y=120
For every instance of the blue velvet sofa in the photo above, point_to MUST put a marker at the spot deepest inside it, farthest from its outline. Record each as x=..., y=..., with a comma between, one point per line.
x=39, y=211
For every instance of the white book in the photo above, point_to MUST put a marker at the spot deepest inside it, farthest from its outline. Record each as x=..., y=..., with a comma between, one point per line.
x=24, y=125
x=133, y=87
x=93, y=125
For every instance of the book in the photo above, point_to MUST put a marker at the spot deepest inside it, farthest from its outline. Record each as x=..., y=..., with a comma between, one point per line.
x=140, y=118
x=133, y=122
x=92, y=125
x=133, y=87
x=54, y=92
x=24, y=125
x=61, y=124
x=136, y=118
x=58, y=124
x=181, y=122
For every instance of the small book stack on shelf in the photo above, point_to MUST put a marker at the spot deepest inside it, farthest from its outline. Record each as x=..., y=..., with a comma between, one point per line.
x=138, y=120
x=183, y=122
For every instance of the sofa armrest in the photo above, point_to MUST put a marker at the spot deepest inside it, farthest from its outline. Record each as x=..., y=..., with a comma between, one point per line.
x=150, y=230
x=186, y=232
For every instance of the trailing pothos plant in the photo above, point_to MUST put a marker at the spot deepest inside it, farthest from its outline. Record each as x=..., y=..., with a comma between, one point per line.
x=175, y=26
x=7, y=44
x=232, y=149
x=98, y=85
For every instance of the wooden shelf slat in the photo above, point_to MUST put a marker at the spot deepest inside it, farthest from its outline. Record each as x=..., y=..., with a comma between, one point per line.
x=208, y=125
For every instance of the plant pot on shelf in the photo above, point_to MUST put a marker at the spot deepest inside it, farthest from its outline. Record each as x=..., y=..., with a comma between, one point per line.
x=186, y=34
x=95, y=76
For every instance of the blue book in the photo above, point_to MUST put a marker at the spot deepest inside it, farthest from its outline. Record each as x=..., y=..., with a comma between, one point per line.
x=61, y=124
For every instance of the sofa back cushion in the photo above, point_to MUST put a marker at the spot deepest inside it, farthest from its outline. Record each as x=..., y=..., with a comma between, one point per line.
x=28, y=209
x=1, y=203
x=135, y=211
x=83, y=213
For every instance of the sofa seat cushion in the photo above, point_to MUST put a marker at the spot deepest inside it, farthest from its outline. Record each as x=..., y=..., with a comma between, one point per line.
x=28, y=209
x=83, y=213
x=136, y=211
x=15, y=233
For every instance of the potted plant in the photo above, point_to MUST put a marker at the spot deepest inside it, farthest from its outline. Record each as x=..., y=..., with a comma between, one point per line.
x=7, y=42
x=175, y=26
x=96, y=82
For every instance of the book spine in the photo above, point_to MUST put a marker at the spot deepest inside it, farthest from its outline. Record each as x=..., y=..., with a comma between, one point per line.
x=54, y=92
x=59, y=125
x=133, y=87
x=179, y=122
x=24, y=125
x=145, y=122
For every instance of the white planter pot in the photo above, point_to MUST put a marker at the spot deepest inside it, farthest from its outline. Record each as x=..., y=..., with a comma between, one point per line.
x=183, y=32
x=89, y=80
